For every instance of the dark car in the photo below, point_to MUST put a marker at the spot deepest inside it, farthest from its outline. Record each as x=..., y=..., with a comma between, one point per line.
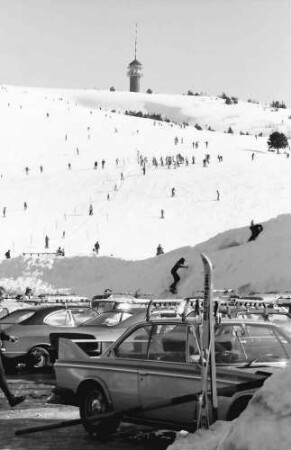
x=96, y=334
x=33, y=327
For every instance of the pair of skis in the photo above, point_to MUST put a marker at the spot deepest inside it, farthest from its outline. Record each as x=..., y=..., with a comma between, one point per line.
x=207, y=407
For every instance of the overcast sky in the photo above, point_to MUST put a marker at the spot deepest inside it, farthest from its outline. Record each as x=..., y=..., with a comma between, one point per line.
x=241, y=47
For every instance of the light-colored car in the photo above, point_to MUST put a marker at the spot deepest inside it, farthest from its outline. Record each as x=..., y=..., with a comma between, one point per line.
x=32, y=326
x=150, y=375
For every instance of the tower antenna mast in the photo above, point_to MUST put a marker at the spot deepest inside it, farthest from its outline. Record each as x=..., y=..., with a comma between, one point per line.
x=135, y=42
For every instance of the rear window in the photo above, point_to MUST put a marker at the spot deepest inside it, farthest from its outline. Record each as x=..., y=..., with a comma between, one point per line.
x=3, y=312
x=17, y=317
x=69, y=317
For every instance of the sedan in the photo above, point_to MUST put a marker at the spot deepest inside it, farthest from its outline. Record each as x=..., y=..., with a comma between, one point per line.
x=33, y=326
x=97, y=333
x=249, y=343
x=151, y=375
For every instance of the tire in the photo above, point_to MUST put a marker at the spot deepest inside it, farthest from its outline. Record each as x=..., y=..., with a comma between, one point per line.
x=93, y=402
x=238, y=407
x=38, y=358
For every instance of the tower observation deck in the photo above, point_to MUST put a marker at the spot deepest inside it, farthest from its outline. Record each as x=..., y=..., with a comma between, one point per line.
x=134, y=70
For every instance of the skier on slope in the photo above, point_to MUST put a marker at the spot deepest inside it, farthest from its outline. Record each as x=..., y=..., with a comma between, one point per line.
x=255, y=230
x=96, y=248
x=180, y=264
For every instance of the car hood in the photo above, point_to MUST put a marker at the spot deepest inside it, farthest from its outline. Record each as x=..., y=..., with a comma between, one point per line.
x=267, y=368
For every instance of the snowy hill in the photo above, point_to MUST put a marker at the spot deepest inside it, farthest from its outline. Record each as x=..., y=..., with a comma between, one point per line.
x=54, y=128
x=259, y=266
x=50, y=142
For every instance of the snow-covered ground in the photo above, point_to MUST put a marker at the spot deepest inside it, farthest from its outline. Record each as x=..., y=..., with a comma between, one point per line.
x=129, y=224
x=52, y=129
x=264, y=425
x=55, y=128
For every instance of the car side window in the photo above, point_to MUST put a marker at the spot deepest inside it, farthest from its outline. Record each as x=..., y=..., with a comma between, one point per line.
x=135, y=345
x=168, y=343
x=61, y=318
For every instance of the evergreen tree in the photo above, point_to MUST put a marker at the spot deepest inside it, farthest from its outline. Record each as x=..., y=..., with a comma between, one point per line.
x=277, y=140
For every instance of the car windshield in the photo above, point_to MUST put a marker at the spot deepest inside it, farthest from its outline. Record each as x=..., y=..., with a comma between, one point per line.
x=102, y=306
x=17, y=316
x=244, y=343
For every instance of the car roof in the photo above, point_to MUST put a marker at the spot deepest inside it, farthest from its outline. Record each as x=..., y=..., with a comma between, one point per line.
x=42, y=311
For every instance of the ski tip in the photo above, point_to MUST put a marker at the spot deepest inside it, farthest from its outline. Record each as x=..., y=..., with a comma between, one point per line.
x=206, y=260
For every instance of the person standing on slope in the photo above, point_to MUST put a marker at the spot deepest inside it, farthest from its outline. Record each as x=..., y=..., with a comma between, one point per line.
x=160, y=250
x=180, y=264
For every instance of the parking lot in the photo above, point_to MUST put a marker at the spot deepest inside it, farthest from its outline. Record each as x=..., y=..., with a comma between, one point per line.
x=35, y=411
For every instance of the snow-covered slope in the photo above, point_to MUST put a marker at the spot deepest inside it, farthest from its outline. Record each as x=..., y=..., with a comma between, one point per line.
x=54, y=128
x=262, y=265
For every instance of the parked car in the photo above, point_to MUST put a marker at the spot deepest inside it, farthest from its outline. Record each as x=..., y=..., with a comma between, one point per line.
x=145, y=377
x=96, y=334
x=32, y=328
x=251, y=343
x=113, y=302
x=280, y=318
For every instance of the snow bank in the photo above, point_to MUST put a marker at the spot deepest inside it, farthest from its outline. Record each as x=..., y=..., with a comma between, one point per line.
x=264, y=425
x=260, y=266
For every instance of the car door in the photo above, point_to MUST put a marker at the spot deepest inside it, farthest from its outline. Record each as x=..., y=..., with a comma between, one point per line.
x=122, y=376
x=171, y=370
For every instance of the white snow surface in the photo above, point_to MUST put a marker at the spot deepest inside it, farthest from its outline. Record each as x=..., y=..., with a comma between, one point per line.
x=264, y=425
x=52, y=128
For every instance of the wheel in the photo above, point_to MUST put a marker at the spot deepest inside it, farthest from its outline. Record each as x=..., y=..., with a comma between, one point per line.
x=238, y=407
x=93, y=402
x=38, y=357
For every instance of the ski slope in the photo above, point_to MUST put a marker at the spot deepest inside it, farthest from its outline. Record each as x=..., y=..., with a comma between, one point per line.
x=54, y=128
